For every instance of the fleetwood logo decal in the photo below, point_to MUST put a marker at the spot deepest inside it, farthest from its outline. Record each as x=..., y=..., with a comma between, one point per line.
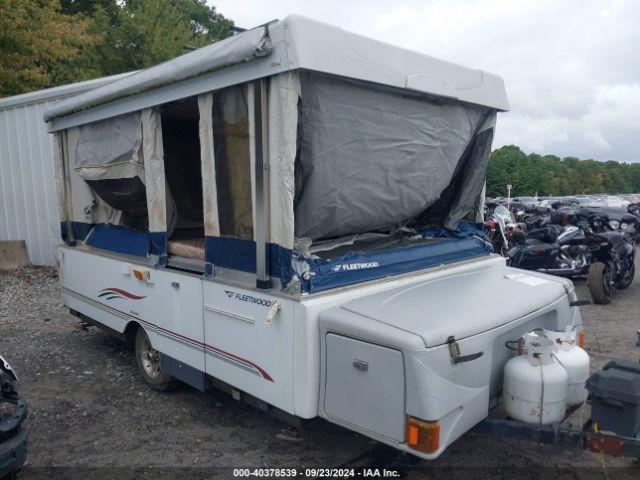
x=347, y=267
x=111, y=293
x=248, y=298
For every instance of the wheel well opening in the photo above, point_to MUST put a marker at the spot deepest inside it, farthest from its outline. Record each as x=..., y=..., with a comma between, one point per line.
x=130, y=332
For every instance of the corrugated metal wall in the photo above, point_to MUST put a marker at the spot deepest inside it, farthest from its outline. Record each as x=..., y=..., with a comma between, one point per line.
x=28, y=208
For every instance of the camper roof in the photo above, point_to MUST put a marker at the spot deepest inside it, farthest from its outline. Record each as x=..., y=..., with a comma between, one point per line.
x=293, y=43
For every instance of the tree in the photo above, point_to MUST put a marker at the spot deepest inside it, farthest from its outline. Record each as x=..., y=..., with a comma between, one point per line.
x=88, y=7
x=551, y=175
x=36, y=38
x=44, y=43
x=146, y=32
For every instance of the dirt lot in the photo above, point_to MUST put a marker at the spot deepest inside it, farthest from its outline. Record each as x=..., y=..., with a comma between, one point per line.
x=91, y=415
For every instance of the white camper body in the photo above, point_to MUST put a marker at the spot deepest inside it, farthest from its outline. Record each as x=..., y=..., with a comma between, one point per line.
x=314, y=299
x=302, y=362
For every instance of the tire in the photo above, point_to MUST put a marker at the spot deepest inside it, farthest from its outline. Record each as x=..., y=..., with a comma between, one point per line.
x=624, y=283
x=599, y=283
x=148, y=360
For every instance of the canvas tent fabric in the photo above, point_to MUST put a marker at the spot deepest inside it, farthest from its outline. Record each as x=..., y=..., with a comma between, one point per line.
x=372, y=159
x=362, y=137
x=240, y=48
x=284, y=93
x=122, y=148
x=209, y=187
x=110, y=149
x=158, y=198
x=471, y=185
x=84, y=205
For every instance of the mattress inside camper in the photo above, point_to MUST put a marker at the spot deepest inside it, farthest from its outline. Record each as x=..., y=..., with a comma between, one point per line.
x=373, y=244
x=187, y=248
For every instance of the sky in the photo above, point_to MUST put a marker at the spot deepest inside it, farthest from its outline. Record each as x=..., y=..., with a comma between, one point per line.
x=571, y=68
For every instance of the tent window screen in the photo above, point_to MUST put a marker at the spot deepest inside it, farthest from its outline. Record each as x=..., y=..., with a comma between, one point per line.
x=233, y=163
x=108, y=156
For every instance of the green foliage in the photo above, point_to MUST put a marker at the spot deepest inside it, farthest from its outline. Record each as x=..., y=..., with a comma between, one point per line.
x=44, y=43
x=36, y=41
x=147, y=32
x=551, y=175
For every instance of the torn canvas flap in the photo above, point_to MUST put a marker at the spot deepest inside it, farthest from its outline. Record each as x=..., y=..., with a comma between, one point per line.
x=152, y=152
x=110, y=149
x=207, y=157
x=284, y=93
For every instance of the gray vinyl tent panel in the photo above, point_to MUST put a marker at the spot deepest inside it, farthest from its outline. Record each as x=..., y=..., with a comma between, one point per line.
x=110, y=149
x=372, y=159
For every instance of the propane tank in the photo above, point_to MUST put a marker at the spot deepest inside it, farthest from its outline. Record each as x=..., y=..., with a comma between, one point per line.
x=574, y=360
x=535, y=385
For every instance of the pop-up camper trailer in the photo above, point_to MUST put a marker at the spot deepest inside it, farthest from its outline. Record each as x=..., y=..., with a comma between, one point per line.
x=291, y=213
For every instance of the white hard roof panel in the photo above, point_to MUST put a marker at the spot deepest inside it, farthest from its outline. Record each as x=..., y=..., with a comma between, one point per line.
x=325, y=48
x=293, y=43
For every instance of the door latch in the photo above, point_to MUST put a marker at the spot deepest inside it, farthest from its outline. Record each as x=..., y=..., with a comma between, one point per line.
x=454, y=351
x=361, y=365
x=454, y=348
x=275, y=307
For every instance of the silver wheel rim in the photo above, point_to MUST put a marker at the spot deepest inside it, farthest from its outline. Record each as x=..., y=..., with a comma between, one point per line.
x=150, y=358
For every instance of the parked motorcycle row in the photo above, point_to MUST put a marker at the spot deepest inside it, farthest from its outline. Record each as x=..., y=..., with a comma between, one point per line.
x=577, y=237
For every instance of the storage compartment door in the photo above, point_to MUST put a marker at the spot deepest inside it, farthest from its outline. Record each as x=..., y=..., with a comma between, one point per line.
x=245, y=351
x=365, y=386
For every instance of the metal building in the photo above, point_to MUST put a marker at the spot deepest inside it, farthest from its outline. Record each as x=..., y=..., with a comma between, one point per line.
x=27, y=191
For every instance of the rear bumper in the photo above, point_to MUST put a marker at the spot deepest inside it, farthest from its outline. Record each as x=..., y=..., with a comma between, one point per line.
x=13, y=453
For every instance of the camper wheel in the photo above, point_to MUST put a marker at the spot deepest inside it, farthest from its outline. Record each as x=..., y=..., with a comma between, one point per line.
x=148, y=360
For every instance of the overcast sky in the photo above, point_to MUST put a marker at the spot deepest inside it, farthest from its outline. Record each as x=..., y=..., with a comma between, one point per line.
x=572, y=68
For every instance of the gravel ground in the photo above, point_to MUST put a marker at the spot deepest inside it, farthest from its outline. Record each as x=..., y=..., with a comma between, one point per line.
x=92, y=416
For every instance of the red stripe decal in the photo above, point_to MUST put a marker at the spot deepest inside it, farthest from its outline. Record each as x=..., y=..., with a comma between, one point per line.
x=124, y=293
x=264, y=374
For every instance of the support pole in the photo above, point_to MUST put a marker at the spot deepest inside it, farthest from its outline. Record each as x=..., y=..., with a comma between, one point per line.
x=68, y=201
x=263, y=279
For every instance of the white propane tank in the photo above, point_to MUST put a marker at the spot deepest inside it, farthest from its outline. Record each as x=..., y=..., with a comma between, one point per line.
x=535, y=385
x=574, y=360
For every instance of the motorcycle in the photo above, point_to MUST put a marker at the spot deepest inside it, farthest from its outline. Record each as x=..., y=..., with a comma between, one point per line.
x=614, y=219
x=613, y=264
x=554, y=250
x=591, y=248
x=502, y=229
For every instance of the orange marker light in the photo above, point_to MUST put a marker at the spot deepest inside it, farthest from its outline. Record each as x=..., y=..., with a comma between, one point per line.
x=582, y=339
x=422, y=435
x=141, y=274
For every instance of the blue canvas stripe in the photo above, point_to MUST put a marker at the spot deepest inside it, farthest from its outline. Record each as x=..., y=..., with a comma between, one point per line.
x=123, y=240
x=355, y=267
x=80, y=230
x=467, y=241
x=240, y=255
